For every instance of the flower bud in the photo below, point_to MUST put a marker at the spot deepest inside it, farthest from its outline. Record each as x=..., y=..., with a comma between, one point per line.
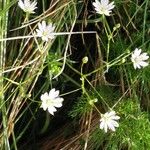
x=85, y=60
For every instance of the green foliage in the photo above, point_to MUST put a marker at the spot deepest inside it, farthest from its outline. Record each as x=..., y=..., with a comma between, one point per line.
x=81, y=107
x=102, y=94
x=54, y=66
x=25, y=62
x=132, y=133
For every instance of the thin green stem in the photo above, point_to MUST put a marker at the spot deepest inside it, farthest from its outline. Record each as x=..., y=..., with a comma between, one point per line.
x=144, y=21
x=83, y=78
x=3, y=33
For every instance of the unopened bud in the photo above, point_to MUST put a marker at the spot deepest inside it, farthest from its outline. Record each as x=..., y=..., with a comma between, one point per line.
x=85, y=60
x=91, y=102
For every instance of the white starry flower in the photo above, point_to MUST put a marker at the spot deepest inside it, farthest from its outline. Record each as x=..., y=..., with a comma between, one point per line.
x=27, y=6
x=103, y=7
x=108, y=121
x=139, y=58
x=51, y=101
x=45, y=31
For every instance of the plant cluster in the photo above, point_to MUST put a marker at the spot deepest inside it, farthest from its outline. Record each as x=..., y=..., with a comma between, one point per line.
x=36, y=60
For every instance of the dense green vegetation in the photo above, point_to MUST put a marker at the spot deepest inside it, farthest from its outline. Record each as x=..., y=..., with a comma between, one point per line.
x=98, y=59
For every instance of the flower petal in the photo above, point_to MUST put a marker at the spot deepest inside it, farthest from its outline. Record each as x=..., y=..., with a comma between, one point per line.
x=51, y=110
x=51, y=100
x=108, y=121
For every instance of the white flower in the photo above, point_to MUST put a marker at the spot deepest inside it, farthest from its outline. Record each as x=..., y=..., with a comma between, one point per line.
x=139, y=58
x=103, y=7
x=51, y=100
x=45, y=31
x=108, y=121
x=27, y=6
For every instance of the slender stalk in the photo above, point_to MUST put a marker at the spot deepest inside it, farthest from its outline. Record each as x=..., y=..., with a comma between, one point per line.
x=144, y=21
x=3, y=33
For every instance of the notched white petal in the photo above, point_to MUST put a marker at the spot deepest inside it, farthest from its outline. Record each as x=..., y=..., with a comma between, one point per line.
x=45, y=31
x=109, y=121
x=103, y=7
x=51, y=101
x=27, y=6
x=138, y=59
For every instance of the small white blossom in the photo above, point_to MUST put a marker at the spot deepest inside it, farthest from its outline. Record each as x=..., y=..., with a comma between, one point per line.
x=108, y=121
x=27, y=6
x=51, y=100
x=45, y=31
x=103, y=7
x=139, y=58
